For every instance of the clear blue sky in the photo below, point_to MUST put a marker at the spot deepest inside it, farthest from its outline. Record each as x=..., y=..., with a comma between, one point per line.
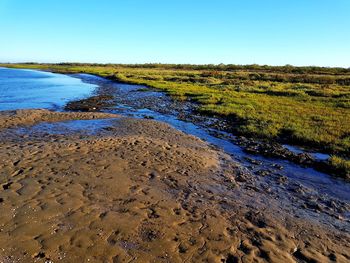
x=275, y=32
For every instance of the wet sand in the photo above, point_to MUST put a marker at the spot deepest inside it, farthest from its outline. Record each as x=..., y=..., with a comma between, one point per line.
x=141, y=191
x=10, y=119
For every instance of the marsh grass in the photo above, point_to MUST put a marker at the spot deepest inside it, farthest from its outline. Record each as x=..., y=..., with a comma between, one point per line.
x=341, y=166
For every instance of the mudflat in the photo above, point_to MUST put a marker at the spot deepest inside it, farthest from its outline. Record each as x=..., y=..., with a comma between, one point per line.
x=141, y=191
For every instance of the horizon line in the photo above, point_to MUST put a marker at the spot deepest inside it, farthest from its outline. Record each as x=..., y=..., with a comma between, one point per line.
x=184, y=64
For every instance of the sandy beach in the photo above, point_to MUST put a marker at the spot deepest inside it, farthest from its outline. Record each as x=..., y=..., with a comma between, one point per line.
x=140, y=191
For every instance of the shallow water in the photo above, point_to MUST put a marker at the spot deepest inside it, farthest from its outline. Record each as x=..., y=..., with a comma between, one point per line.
x=28, y=89
x=133, y=103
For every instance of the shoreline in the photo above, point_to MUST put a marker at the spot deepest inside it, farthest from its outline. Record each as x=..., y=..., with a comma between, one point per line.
x=99, y=186
x=262, y=146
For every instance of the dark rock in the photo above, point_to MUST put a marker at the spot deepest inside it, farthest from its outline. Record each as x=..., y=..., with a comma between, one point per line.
x=253, y=161
x=314, y=206
x=277, y=166
x=303, y=159
x=94, y=103
x=108, y=128
x=282, y=179
x=263, y=172
x=148, y=117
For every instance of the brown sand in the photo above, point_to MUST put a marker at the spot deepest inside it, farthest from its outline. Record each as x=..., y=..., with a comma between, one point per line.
x=29, y=117
x=143, y=192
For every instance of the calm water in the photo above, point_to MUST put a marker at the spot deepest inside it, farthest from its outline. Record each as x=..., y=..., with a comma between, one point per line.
x=29, y=89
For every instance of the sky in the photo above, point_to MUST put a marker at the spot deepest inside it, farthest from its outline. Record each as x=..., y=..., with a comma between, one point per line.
x=271, y=32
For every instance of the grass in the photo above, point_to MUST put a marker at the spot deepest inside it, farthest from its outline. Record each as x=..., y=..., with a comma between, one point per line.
x=341, y=165
x=301, y=105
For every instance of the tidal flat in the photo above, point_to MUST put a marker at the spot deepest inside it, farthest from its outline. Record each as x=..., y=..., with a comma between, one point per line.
x=141, y=190
x=103, y=178
x=305, y=106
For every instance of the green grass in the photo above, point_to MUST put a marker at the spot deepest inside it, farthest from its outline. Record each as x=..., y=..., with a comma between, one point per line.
x=306, y=106
x=342, y=166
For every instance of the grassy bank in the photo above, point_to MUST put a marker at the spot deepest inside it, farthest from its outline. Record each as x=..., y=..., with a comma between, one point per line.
x=301, y=105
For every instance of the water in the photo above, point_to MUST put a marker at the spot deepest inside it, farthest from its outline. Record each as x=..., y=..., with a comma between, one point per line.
x=316, y=155
x=30, y=89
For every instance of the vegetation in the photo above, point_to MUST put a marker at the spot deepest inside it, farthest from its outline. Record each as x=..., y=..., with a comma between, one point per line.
x=341, y=165
x=301, y=105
